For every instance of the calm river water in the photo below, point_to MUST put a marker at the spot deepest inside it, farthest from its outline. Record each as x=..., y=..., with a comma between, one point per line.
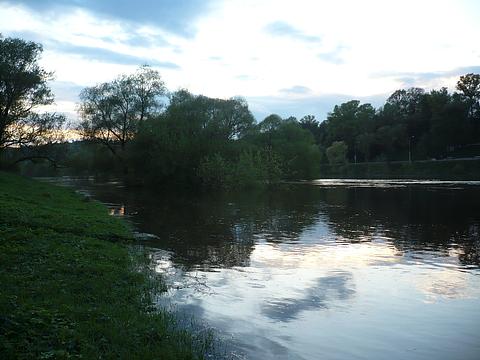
x=320, y=270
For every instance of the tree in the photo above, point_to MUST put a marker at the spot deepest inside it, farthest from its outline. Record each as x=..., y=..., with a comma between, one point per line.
x=346, y=122
x=185, y=140
x=364, y=144
x=229, y=119
x=405, y=102
x=289, y=146
x=113, y=112
x=268, y=126
x=337, y=153
x=469, y=85
x=218, y=119
x=308, y=122
x=23, y=89
x=270, y=123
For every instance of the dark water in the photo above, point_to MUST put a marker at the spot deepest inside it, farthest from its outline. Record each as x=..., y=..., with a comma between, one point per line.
x=325, y=270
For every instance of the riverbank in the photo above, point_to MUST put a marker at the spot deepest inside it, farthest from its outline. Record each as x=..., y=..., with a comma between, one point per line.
x=72, y=285
x=427, y=169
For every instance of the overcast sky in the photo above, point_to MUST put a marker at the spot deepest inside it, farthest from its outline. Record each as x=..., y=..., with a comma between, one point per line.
x=286, y=57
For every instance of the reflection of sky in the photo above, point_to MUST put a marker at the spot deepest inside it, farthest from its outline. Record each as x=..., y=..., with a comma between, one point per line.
x=390, y=183
x=444, y=284
x=307, y=301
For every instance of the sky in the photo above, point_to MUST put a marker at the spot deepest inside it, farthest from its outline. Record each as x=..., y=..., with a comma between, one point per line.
x=291, y=58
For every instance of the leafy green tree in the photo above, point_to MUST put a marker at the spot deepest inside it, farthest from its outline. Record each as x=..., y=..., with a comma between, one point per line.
x=250, y=170
x=346, y=122
x=215, y=172
x=23, y=90
x=293, y=146
x=308, y=122
x=223, y=119
x=337, y=153
x=191, y=135
x=270, y=123
x=364, y=143
x=404, y=102
x=469, y=85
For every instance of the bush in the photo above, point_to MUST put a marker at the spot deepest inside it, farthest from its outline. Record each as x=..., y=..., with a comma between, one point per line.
x=253, y=168
x=337, y=152
x=214, y=171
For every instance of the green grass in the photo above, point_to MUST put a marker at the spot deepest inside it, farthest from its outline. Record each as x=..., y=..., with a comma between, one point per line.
x=72, y=287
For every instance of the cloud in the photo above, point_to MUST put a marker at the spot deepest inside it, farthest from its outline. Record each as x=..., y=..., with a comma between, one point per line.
x=176, y=16
x=110, y=56
x=285, y=45
x=419, y=79
x=318, y=105
x=66, y=91
x=333, y=57
x=143, y=40
x=283, y=29
x=245, y=77
x=26, y=35
x=296, y=90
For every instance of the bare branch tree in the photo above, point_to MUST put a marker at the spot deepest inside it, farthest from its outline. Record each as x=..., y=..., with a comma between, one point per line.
x=113, y=112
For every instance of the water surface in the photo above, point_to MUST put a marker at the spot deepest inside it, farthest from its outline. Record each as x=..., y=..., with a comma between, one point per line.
x=323, y=270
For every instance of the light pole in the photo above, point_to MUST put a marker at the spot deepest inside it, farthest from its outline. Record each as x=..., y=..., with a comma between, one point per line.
x=410, y=148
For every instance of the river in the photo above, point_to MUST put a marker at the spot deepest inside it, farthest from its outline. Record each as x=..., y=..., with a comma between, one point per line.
x=319, y=270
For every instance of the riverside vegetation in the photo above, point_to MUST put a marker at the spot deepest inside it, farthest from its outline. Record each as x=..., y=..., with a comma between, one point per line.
x=135, y=127
x=73, y=286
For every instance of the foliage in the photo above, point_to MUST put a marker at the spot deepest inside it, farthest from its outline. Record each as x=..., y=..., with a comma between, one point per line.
x=72, y=288
x=252, y=168
x=214, y=171
x=310, y=123
x=270, y=123
x=469, y=86
x=197, y=140
x=429, y=125
x=23, y=88
x=336, y=153
x=292, y=146
x=112, y=113
x=201, y=140
x=191, y=131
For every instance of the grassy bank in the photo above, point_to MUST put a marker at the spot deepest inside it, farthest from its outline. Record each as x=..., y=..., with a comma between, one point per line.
x=72, y=287
x=442, y=170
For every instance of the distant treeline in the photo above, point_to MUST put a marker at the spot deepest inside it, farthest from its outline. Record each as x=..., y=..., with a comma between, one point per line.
x=135, y=127
x=411, y=125
x=218, y=143
x=196, y=140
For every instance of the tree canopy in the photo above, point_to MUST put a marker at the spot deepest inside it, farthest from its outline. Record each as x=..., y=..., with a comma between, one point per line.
x=23, y=90
x=113, y=112
x=197, y=139
x=133, y=122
